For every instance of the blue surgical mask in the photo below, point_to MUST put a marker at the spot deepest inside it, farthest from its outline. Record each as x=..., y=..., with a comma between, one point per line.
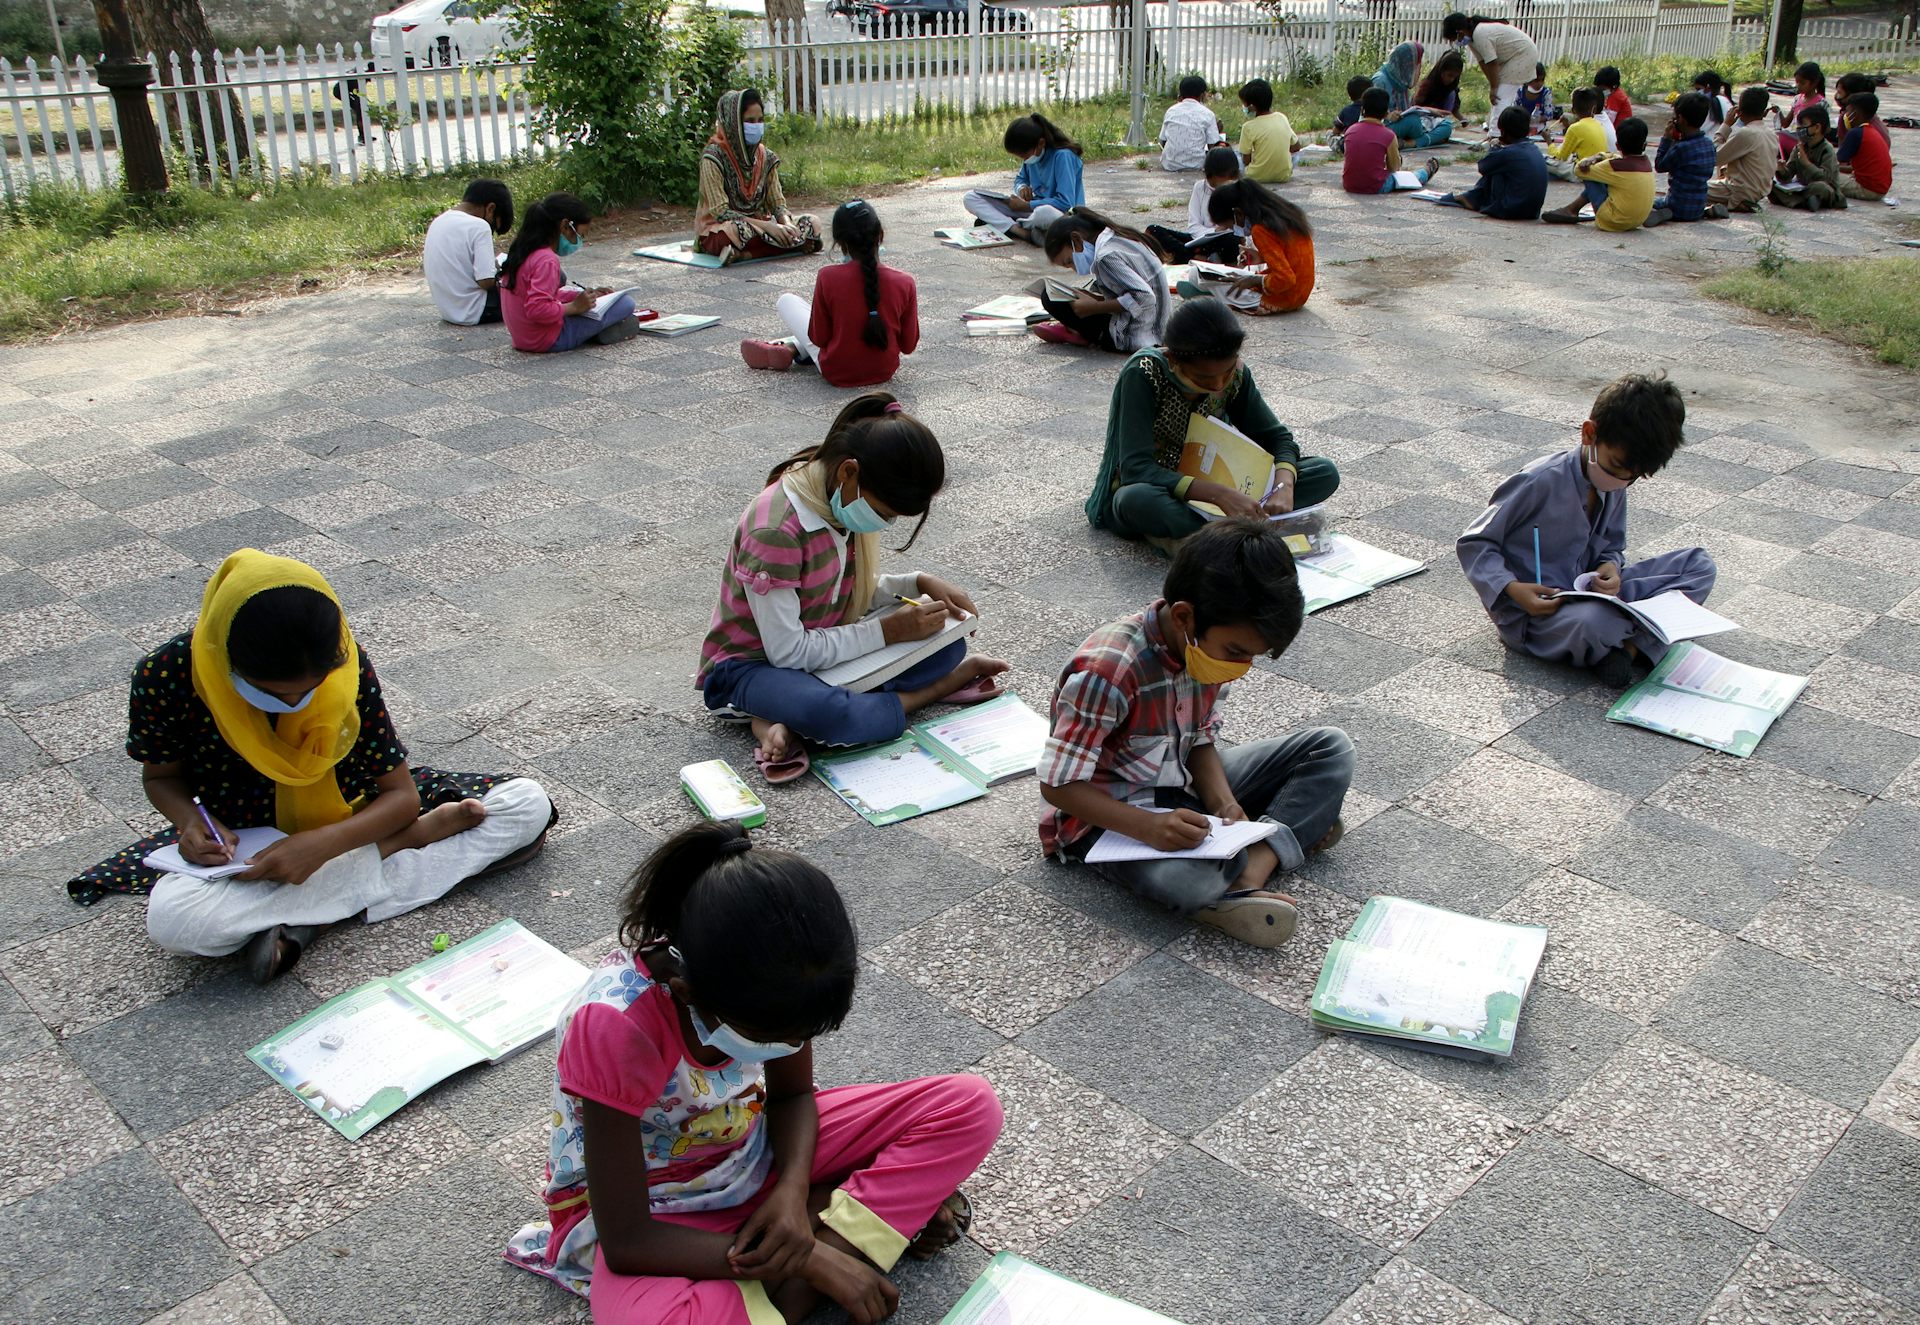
x=568, y=244
x=753, y=131
x=856, y=516
x=735, y=1045
x=1083, y=260
x=261, y=700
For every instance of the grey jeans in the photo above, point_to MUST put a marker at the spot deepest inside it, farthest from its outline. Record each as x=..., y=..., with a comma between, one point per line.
x=1297, y=781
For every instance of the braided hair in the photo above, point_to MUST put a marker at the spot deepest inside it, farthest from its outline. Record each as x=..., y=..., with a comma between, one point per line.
x=857, y=230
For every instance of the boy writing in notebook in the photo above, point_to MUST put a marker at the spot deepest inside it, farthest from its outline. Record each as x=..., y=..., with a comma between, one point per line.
x=1565, y=516
x=1133, y=743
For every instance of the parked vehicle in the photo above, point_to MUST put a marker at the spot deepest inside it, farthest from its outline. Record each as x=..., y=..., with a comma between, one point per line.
x=893, y=18
x=438, y=33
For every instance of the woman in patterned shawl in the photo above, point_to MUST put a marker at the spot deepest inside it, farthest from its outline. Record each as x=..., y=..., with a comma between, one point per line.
x=743, y=210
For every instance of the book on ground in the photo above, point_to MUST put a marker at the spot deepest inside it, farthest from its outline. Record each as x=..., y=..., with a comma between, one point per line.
x=1006, y=307
x=994, y=194
x=1428, y=195
x=1428, y=977
x=883, y=664
x=1226, y=841
x=939, y=763
x=1345, y=568
x=1221, y=273
x=1014, y=1291
x=1698, y=696
x=979, y=236
x=252, y=841
x=356, y=1060
x=1671, y=616
x=677, y=324
x=998, y=326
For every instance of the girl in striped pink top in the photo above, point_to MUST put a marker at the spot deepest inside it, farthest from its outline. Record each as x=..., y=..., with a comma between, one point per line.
x=801, y=578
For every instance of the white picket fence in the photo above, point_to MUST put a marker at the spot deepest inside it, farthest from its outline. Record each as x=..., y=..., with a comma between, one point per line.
x=330, y=113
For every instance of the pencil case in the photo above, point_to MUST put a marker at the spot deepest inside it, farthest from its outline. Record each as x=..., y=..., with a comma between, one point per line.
x=717, y=792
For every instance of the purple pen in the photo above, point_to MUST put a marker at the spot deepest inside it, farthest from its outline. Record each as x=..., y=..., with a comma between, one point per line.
x=207, y=819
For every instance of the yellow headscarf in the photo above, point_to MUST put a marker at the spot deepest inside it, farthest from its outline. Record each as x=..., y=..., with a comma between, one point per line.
x=808, y=482
x=299, y=754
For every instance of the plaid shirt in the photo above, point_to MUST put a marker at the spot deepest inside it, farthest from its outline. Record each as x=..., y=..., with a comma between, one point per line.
x=1688, y=164
x=1126, y=717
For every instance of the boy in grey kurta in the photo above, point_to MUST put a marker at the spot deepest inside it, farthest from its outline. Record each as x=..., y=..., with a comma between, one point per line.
x=1814, y=165
x=1576, y=502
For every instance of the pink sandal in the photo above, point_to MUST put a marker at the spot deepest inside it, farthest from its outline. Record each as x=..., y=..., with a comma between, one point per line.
x=976, y=692
x=779, y=771
x=1059, y=333
x=772, y=354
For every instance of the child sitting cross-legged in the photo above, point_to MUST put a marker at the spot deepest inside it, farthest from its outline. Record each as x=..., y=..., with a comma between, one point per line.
x=1135, y=722
x=1746, y=159
x=1373, y=150
x=1814, y=166
x=1585, y=138
x=1565, y=516
x=1203, y=239
x=1619, y=188
x=1513, y=176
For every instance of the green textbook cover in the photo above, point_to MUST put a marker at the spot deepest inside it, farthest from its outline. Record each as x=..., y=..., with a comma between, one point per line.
x=939, y=763
x=1430, y=977
x=1698, y=696
x=1346, y=568
x=1015, y=1291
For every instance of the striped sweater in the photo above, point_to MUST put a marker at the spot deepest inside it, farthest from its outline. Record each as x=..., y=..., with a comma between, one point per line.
x=774, y=549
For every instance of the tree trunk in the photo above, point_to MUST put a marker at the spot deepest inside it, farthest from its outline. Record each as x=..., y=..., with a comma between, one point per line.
x=787, y=24
x=1121, y=16
x=1791, y=12
x=180, y=26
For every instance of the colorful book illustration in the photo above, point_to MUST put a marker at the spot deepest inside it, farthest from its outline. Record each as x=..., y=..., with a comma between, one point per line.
x=1429, y=978
x=976, y=236
x=1015, y=1291
x=1696, y=695
x=1007, y=307
x=358, y=1059
x=1218, y=452
x=939, y=763
x=1346, y=568
x=677, y=324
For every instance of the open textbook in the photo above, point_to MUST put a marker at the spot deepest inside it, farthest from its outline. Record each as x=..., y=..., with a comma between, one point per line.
x=939, y=763
x=1014, y=1291
x=1698, y=696
x=870, y=670
x=978, y=236
x=677, y=324
x=1428, y=977
x=1023, y=307
x=1217, y=452
x=358, y=1059
x=1346, y=568
x=251, y=842
x=1671, y=616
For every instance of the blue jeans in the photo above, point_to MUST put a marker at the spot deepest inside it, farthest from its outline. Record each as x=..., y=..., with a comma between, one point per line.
x=1386, y=185
x=1595, y=192
x=577, y=331
x=822, y=713
x=1297, y=781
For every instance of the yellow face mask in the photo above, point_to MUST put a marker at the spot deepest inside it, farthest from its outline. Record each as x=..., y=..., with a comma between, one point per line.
x=1211, y=671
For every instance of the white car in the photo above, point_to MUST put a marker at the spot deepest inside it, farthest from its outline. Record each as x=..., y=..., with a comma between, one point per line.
x=436, y=33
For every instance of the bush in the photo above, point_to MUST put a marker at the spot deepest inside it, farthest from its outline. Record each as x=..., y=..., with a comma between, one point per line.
x=628, y=95
x=24, y=33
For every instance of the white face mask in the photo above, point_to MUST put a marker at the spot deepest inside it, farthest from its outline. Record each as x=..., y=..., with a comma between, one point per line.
x=261, y=700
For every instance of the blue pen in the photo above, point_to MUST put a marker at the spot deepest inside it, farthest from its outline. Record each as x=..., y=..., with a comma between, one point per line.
x=1539, y=576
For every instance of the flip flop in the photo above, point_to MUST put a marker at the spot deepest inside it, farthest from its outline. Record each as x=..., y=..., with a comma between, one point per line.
x=976, y=692
x=263, y=958
x=963, y=1222
x=1058, y=333
x=1262, y=922
x=779, y=771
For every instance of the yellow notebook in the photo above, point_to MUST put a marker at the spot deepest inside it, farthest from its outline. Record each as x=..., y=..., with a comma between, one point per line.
x=1220, y=453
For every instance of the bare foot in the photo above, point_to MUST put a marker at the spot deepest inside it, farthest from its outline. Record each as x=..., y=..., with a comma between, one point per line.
x=948, y=1225
x=777, y=743
x=436, y=825
x=976, y=667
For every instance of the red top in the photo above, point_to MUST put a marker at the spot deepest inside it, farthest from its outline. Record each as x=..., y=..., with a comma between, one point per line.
x=1619, y=105
x=1364, y=170
x=839, y=322
x=532, y=309
x=1871, y=161
x=1289, y=278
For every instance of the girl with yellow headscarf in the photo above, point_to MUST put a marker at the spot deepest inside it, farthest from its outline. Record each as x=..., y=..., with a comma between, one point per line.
x=267, y=715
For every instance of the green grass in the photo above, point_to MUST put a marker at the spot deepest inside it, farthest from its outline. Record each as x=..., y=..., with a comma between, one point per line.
x=1870, y=302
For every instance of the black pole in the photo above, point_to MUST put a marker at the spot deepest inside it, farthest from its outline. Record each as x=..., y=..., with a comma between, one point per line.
x=127, y=78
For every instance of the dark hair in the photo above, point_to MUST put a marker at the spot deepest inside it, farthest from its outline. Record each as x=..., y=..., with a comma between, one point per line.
x=1514, y=125
x=1631, y=134
x=1863, y=106
x=1585, y=101
x=1815, y=114
x=1029, y=131
x=1457, y=25
x=763, y=936
x=750, y=96
x=1606, y=76
x=1203, y=330
x=1238, y=572
x=539, y=229
x=1374, y=103
x=1258, y=93
x=857, y=230
x=1645, y=416
x=1715, y=85
x=1814, y=74
x=1260, y=205
x=900, y=458
x=481, y=192
x=1431, y=87
x=1357, y=86
x=1193, y=86
x=1754, y=102
x=1220, y=161
x=1852, y=85
x=286, y=634
x=1089, y=223
x=1691, y=109
x=1540, y=70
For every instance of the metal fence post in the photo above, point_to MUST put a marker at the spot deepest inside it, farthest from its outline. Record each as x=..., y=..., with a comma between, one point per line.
x=1773, y=32
x=1653, y=31
x=1137, y=125
x=403, y=93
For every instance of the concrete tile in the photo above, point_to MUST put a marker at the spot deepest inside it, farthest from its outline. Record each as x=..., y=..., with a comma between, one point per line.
x=61, y=1125
x=910, y=880
x=1798, y=620
x=122, y=563
x=351, y=954
x=1860, y=933
x=1856, y=1213
x=896, y=1033
x=1873, y=547
x=1520, y=805
x=1377, y=1150
x=1870, y=693
x=1777, y=1285
x=1394, y=755
x=1766, y=804
x=1877, y=848
x=1335, y=660
x=98, y=970
x=1463, y=700
x=235, y=1301
x=1897, y=1103
x=1410, y=855
x=1834, y=580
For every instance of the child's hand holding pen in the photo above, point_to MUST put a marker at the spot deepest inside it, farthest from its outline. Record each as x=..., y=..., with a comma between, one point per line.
x=1175, y=830
x=914, y=619
x=203, y=841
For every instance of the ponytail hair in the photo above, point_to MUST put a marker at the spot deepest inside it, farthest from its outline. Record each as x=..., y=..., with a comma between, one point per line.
x=1086, y=222
x=763, y=936
x=539, y=229
x=1029, y=131
x=900, y=458
x=858, y=232
x=1260, y=205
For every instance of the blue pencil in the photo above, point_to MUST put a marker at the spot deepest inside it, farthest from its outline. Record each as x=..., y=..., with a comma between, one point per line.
x=1539, y=576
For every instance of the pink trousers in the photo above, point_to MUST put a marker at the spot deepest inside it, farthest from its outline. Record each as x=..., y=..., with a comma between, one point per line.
x=894, y=1153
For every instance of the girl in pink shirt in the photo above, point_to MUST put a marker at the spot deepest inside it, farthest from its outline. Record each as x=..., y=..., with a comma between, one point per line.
x=543, y=315
x=695, y=1174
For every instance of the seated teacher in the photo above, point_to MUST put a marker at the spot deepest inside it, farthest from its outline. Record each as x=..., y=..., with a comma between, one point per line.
x=266, y=714
x=742, y=212
x=1140, y=492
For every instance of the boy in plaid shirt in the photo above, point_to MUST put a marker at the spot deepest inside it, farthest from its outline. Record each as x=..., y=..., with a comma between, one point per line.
x=1686, y=157
x=1134, y=726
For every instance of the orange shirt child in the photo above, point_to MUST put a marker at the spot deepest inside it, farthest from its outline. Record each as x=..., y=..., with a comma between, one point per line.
x=1289, y=276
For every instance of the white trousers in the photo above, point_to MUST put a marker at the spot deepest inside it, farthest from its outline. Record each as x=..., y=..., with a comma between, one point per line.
x=797, y=313
x=995, y=214
x=214, y=917
x=1503, y=96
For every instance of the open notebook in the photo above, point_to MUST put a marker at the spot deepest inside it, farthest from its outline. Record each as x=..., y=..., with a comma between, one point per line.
x=1013, y=1291
x=1670, y=617
x=1696, y=695
x=871, y=670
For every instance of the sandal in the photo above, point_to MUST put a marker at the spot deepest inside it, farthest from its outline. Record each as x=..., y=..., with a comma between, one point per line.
x=1262, y=922
x=976, y=692
x=273, y=952
x=962, y=1224
x=524, y=854
x=779, y=771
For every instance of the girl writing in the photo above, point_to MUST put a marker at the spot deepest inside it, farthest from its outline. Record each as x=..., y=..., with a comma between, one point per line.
x=1438, y=94
x=1129, y=304
x=800, y=580
x=694, y=1173
x=1278, y=234
x=543, y=315
x=1047, y=185
x=863, y=317
x=1139, y=492
x=742, y=211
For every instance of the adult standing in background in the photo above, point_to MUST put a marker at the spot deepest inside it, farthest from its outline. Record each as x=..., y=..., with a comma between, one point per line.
x=1506, y=54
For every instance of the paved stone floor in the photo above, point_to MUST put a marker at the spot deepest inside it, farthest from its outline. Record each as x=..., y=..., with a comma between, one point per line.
x=1714, y=1110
